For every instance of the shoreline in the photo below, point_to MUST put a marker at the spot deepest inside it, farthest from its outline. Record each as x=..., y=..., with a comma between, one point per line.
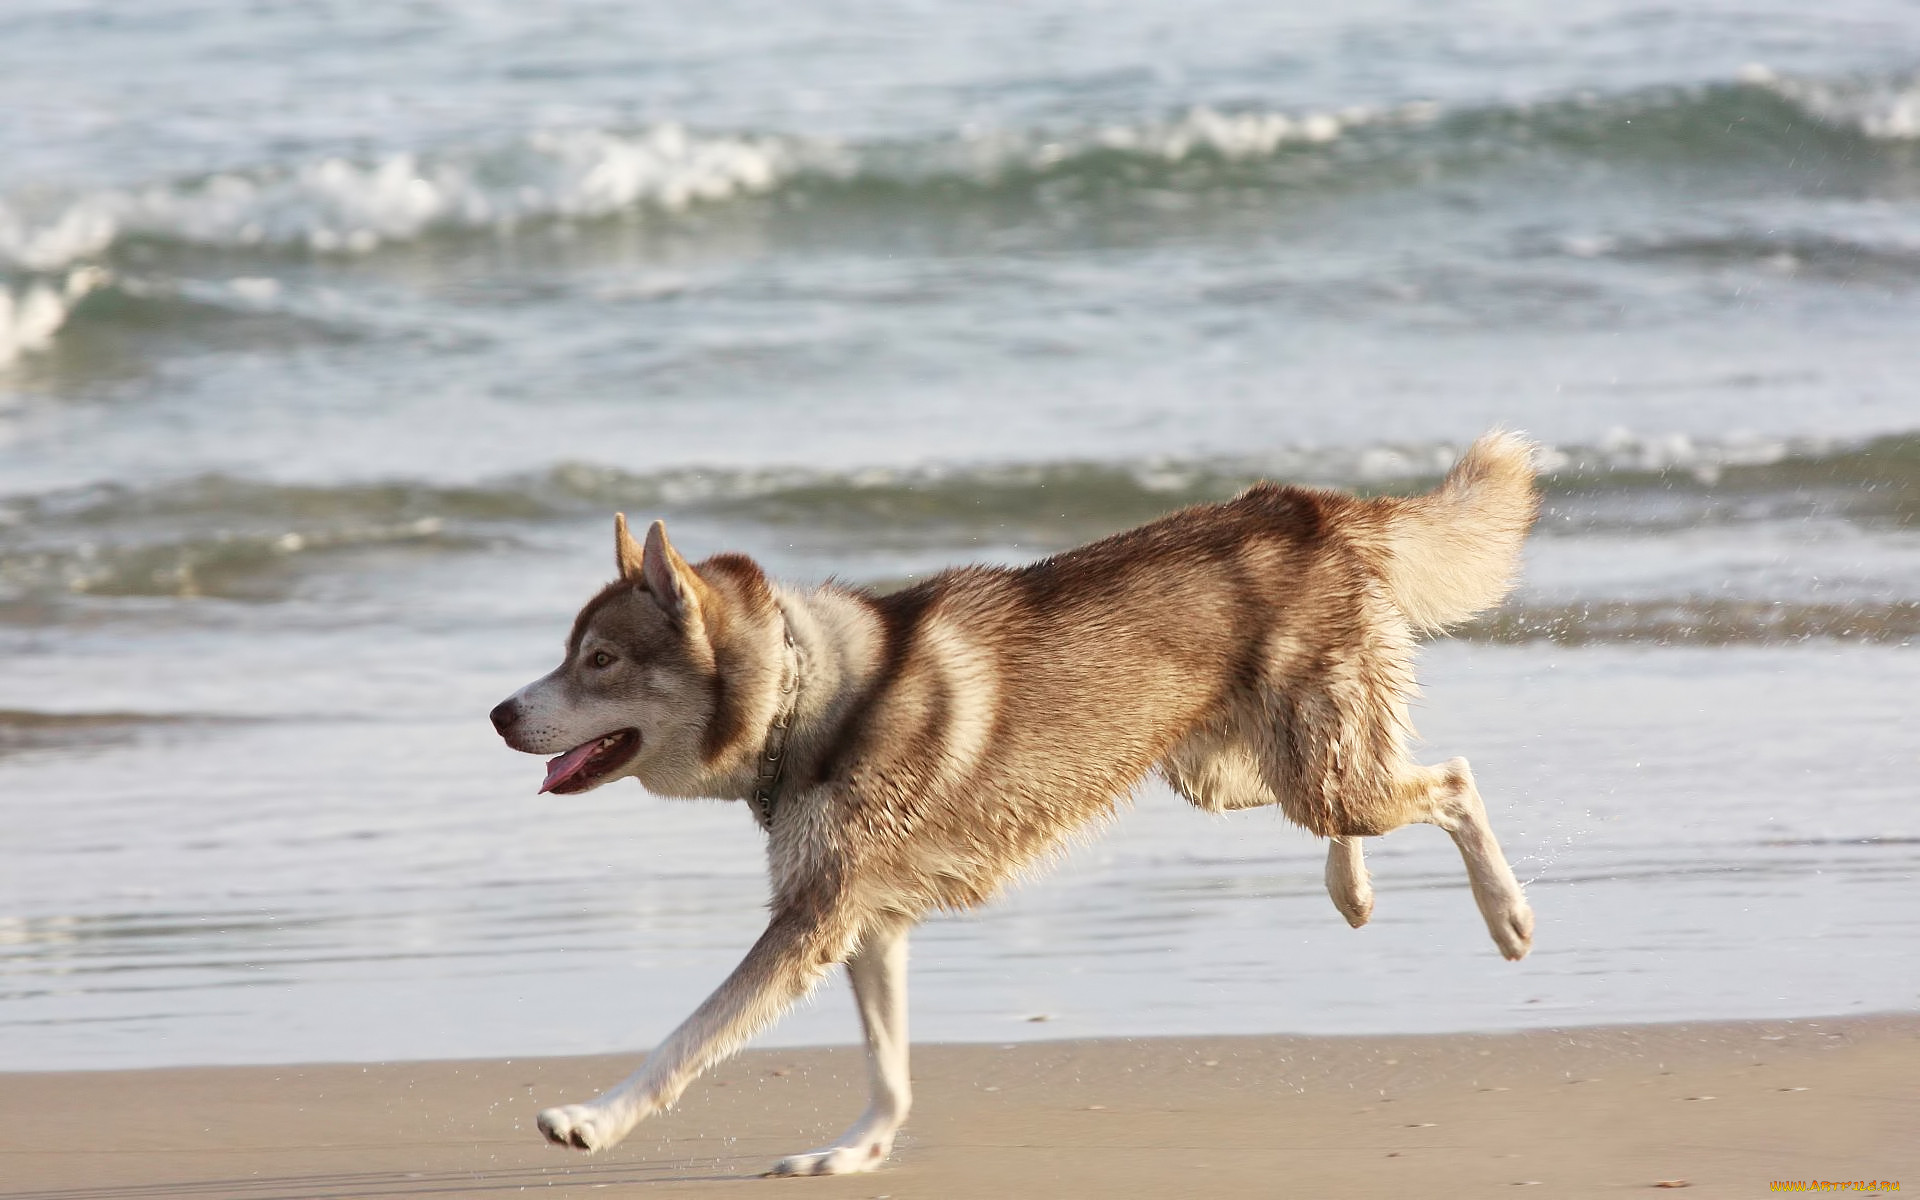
x=1725, y=1107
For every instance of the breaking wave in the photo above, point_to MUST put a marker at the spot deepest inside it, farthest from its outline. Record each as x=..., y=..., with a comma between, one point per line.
x=250, y=311
x=341, y=206
x=32, y=314
x=224, y=563
x=248, y=540
x=1881, y=475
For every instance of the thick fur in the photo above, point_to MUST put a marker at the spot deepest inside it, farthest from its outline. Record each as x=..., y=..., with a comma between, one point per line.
x=1253, y=652
x=1451, y=554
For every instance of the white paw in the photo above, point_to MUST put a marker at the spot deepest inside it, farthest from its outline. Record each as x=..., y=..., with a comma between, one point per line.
x=582, y=1126
x=1512, y=929
x=835, y=1160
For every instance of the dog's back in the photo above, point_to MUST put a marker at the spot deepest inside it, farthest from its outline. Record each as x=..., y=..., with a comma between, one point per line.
x=1257, y=651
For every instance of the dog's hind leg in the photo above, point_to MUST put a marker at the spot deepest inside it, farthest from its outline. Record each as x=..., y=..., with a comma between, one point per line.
x=878, y=970
x=790, y=957
x=1445, y=796
x=1347, y=880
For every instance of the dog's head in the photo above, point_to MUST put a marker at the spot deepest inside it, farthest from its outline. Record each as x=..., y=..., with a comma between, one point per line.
x=666, y=675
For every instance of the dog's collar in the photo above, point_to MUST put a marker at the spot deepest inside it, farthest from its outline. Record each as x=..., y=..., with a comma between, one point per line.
x=773, y=756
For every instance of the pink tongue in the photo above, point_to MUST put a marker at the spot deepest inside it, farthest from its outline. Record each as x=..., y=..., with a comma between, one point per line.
x=560, y=769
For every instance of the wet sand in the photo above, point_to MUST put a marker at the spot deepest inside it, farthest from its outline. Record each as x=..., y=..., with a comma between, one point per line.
x=1724, y=1109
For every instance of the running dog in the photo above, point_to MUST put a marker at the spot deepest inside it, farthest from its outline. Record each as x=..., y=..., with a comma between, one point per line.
x=912, y=751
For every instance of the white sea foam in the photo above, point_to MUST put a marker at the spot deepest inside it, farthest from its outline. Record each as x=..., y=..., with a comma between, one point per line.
x=80, y=231
x=335, y=205
x=1885, y=109
x=340, y=206
x=31, y=316
x=1231, y=135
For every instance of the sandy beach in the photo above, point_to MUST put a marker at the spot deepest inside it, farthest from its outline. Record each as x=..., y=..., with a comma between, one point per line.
x=1722, y=1109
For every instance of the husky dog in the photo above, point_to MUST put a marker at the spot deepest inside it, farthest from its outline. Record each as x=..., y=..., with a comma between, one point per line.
x=912, y=751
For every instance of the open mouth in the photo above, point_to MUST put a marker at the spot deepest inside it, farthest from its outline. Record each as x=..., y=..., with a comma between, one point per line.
x=589, y=763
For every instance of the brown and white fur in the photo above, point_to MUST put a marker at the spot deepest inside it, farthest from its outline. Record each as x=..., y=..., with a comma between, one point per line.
x=1253, y=652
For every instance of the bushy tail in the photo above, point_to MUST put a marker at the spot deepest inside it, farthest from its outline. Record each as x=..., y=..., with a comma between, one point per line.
x=1454, y=551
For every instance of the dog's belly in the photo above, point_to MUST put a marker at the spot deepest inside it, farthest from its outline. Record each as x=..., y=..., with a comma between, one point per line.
x=1217, y=775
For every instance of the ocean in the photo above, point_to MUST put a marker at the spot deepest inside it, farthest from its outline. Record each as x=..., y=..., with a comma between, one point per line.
x=332, y=335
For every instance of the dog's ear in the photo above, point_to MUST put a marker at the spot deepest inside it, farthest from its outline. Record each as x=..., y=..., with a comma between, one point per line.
x=669, y=578
x=626, y=551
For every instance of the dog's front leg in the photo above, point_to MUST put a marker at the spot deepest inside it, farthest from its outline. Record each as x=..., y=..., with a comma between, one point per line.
x=878, y=970
x=783, y=965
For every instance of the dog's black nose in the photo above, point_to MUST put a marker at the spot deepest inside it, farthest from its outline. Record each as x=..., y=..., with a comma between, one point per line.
x=505, y=715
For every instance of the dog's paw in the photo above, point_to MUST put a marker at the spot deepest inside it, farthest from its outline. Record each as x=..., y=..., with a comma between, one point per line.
x=1512, y=929
x=834, y=1160
x=1347, y=881
x=581, y=1126
x=1355, y=902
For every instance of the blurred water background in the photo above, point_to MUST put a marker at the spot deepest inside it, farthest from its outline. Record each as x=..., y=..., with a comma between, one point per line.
x=331, y=334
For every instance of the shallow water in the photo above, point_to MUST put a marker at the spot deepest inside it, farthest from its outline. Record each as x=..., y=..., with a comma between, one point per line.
x=329, y=340
x=391, y=889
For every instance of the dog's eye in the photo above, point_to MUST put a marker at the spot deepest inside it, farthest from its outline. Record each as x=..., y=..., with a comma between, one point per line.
x=602, y=659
